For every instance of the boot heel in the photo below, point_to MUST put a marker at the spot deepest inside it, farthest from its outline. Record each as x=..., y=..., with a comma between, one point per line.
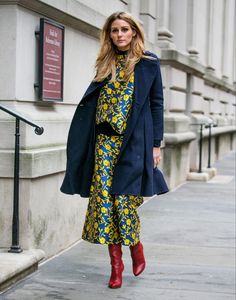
x=137, y=255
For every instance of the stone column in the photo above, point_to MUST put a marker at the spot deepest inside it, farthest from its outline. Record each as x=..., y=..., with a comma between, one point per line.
x=178, y=11
x=233, y=58
x=134, y=7
x=209, y=40
x=228, y=39
x=165, y=36
x=214, y=38
x=148, y=16
x=192, y=27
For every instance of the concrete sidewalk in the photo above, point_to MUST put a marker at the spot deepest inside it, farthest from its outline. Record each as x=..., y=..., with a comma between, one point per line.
x=188, y=235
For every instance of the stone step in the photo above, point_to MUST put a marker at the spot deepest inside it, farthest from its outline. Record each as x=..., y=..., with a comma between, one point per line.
x=15, y=266
x=205, y=175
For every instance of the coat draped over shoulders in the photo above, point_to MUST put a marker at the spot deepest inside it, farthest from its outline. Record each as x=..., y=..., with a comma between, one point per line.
x=134, y=173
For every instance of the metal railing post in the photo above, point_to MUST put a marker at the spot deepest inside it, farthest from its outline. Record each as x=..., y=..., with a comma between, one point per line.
x=209, y=126
x=200, y=145
x=15, y=247
x=209, y=147
x=200, y=150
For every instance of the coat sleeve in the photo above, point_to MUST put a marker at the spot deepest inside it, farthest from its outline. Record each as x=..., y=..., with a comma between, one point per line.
x=156, y=105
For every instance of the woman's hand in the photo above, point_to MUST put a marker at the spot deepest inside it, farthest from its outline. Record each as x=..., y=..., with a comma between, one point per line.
x=156, y=156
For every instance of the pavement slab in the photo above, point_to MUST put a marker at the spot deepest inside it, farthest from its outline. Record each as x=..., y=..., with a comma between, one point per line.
x=189, y=241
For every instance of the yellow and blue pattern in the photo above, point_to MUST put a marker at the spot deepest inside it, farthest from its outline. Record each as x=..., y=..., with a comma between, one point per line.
x=115, y=99
x=111, y=219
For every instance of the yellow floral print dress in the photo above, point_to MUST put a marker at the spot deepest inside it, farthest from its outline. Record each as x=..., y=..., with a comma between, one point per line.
x=112, y=219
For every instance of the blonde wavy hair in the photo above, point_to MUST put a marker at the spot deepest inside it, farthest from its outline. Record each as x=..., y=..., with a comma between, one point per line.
x=106, y=59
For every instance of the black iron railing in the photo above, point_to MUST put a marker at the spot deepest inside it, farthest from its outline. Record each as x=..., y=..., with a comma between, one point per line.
x=200, y=145
x=15, y=247
x=209, y=126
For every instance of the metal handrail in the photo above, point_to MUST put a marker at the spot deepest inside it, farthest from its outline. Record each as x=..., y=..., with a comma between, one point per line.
x=15, y=247
x=38, y=130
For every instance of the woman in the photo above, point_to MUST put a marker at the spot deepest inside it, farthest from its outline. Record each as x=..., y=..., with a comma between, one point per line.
x=114, y=142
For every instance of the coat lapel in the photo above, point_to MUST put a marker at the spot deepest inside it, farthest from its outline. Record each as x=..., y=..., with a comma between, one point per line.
x=93, y=86
x=144, y=74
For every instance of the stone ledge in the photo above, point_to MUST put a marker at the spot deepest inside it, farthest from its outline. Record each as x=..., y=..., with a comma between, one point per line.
x=182, y=62
x=15, y=266
x=195, y=176
x=222, y=129
x=187, y=64
x=74, y=14
x=179, y=138
x=176, y=123
x=34, y=162
x=218, y=131
x=210, y=171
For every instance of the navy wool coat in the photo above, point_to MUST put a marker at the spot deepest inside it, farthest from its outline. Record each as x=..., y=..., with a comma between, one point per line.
x=134, y=173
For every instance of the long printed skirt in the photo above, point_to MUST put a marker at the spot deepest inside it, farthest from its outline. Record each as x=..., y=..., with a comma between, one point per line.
x=110, y=219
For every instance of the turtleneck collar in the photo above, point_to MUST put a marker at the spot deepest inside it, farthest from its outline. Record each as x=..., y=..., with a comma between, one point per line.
x=121, y=52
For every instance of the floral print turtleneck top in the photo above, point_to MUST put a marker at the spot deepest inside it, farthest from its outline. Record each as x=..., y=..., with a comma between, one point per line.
x=115, y=99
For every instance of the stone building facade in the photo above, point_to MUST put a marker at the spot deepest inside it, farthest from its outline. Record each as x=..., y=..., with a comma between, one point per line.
x=195, y=40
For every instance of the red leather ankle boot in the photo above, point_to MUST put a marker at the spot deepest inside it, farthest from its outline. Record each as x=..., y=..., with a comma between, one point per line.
x=117, y=266
x=138, y=258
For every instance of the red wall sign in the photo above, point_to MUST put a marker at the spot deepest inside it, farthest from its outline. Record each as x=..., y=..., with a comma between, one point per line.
x=51, y=60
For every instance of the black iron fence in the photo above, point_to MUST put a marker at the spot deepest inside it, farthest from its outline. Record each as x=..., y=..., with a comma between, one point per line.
x=15, y=247
x=209, y=126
